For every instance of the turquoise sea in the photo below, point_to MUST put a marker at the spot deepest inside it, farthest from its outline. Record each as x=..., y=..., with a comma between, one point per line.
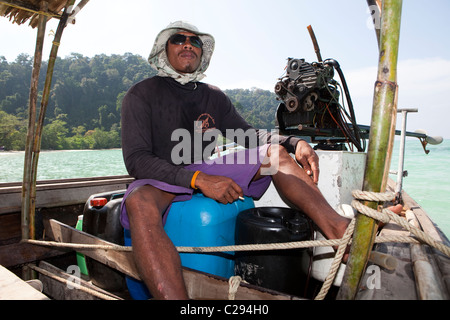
x=428, y=180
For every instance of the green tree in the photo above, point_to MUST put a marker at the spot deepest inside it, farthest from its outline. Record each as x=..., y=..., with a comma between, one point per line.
x=54, y=136
x=105, y=139
x=12, y=131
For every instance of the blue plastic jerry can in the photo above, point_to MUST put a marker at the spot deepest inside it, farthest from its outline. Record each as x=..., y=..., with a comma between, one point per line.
x=199, y=222
x=203, y=222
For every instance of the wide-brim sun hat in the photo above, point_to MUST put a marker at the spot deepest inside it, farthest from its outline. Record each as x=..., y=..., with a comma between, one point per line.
x=158, y=57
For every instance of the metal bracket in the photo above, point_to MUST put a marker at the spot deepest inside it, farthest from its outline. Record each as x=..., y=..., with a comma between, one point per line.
x=401, y=158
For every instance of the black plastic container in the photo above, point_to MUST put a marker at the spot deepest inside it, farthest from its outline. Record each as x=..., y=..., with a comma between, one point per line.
x=281, y=270
x=101, y=218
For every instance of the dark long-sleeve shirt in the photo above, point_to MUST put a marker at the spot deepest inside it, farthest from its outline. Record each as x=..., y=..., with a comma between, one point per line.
x=163, y=123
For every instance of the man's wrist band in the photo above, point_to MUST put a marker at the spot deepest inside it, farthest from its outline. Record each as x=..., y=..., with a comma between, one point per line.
x=193, y=179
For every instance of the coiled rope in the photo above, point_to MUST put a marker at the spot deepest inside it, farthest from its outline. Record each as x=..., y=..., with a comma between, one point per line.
x=387, y=215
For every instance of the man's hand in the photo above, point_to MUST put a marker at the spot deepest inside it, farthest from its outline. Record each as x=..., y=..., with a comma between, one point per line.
x=219, y=188
x=308, y=159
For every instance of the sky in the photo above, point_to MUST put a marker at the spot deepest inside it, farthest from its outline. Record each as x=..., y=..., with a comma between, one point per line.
x=254, y=38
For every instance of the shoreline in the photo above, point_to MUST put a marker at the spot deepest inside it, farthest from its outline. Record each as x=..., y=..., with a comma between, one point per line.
x=65, y=150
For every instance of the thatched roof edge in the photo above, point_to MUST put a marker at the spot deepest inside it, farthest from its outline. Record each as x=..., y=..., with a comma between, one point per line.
x=21, y=11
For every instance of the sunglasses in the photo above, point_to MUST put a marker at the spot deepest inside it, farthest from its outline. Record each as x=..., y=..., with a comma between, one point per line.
x=180, y=39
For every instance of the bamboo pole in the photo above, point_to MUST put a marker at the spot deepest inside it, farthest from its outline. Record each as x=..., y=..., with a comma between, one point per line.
x=380, y=145
x=27, y=199
x=34, y=136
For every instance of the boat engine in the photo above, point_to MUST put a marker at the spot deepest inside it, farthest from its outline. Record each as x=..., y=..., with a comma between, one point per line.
x=310, y=105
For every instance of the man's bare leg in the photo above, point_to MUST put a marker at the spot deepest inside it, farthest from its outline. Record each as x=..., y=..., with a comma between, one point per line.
x=300, y=191
x=156, y=258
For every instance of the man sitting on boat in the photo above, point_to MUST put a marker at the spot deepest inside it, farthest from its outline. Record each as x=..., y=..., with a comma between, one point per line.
x=159, y=112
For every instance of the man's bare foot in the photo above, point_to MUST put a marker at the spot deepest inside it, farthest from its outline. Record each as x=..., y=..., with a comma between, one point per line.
x=396, y=209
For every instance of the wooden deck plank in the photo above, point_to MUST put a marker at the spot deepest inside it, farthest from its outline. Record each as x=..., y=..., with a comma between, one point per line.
x=398, y=284
x=55, y=193
x=21, y=253
x=14, y=288
x=79, y=289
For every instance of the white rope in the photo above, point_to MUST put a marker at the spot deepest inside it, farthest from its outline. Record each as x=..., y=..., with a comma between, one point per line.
x=234, y=283
x=373, y=196
x=387, y=215
x=336, y=261
x=372, y=213
x=244, y=247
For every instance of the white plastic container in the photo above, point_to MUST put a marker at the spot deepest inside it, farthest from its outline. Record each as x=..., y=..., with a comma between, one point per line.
x=323, y=256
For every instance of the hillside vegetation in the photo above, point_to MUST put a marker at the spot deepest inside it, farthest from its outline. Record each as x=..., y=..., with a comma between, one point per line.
x=86, y=98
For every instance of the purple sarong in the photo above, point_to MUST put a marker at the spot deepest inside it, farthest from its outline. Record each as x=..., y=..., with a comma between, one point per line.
x=240, y=166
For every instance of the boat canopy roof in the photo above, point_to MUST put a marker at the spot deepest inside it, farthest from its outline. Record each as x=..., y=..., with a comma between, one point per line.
x=22, y=11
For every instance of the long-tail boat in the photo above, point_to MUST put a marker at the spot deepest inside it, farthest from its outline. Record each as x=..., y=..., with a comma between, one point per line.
x=407, y=259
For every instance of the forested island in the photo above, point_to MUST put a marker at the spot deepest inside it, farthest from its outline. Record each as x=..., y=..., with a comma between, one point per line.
x=86, y=98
